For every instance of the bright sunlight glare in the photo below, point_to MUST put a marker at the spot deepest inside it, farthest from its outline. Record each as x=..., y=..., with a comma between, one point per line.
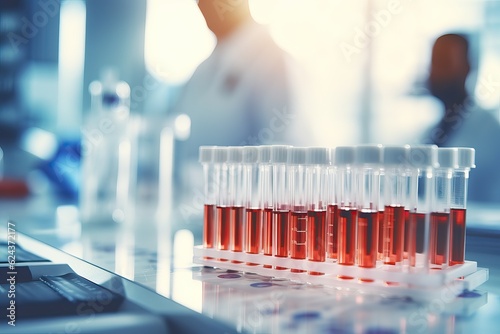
x=177, y=39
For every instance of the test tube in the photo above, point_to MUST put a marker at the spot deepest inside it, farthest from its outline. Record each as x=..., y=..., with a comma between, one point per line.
x=345, y=194
x=253, y=230
x=368, y=160
x=296, y=159
x=381, y=208
x=209, y=188
x=422, y=161
x=394, y=200
x=223, y=208
x=236, y=198
x=266, y=198
x=441, y=202
x=409, y=177
x=332, y=211
x=281, y=204
x=460, y=182
x=317, y=161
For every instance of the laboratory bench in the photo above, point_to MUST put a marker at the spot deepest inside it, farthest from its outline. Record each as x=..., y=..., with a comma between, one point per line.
x=152, y=261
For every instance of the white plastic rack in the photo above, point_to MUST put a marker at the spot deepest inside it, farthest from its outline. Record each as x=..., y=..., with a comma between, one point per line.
x=418, y=283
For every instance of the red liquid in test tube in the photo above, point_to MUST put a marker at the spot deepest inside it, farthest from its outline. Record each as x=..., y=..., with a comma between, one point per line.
x=417, y=236
x=267, y=233
x=237, y=220
x=282, y=235
x=406, y=233
x=457, y=235
x=367, y=239
x=393, y=236
x=208, y=225
x=440, y=229
x=332, y=221
x=223, y=227
x=316, y=237
x=380, y=247
x=298, y=226
x=347, y=236
x=253, y=230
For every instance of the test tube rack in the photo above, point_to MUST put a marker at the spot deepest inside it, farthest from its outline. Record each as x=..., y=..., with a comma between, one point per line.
x=419, y=283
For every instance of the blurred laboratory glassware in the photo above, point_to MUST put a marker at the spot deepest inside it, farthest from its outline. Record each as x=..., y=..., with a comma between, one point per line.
x=106, y=153
x=151, y=179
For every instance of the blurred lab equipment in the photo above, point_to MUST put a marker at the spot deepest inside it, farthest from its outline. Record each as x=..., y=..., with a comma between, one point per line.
x=106, y=152
x=126, y=159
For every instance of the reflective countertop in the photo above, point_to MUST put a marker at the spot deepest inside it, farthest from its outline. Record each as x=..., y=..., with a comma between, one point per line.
x=158, y=253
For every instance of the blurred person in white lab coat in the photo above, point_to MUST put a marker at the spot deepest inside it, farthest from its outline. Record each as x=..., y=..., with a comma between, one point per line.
x=464, y=123
x=242, y=94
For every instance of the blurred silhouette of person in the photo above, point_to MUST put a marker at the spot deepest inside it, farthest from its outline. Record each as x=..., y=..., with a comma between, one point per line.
x=242, y=87
x=464, y=123
x=241, y=94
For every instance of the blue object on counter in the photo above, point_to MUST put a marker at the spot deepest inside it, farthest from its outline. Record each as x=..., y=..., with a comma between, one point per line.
x=63, y=169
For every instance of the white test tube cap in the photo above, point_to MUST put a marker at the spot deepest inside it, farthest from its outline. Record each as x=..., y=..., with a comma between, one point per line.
x=466, y=157
x=423, y=156
x=220, y=154
x=235, y=154
x=396, y=155
x=448, y=157
x=250, y=154
x=368, y=154
x=344, y=155
x=206, y=154
x=317, y=156
x=279, y=153
x=296, y=155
